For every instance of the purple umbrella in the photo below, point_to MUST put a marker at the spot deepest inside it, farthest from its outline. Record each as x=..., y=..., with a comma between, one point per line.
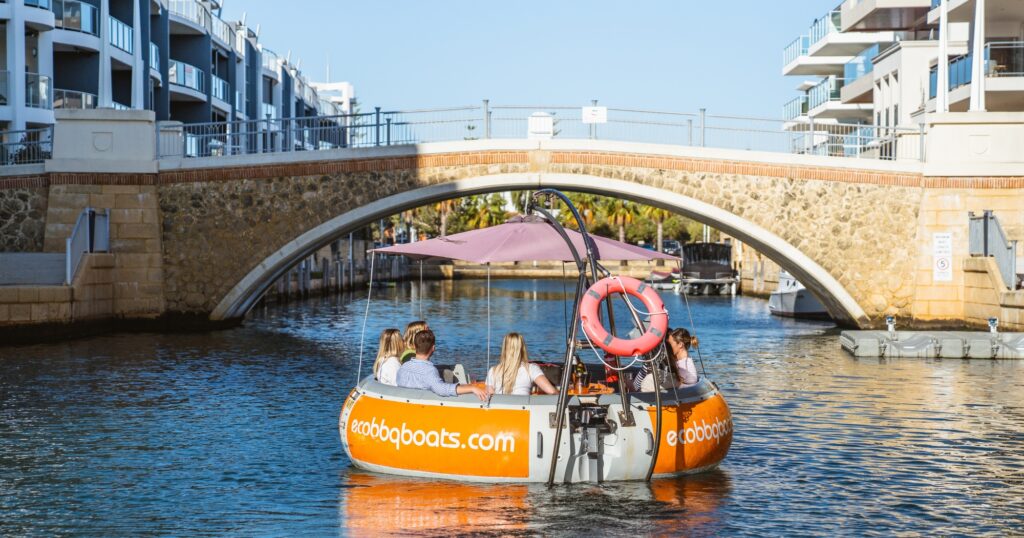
x=520, y=239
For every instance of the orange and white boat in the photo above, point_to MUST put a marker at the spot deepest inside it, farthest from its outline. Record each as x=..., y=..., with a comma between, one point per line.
x=593, y=433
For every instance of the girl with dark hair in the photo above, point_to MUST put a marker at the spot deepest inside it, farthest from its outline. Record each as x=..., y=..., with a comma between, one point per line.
x=684, y=372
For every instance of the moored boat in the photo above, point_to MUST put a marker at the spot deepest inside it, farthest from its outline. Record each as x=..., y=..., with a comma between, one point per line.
x=791, y=299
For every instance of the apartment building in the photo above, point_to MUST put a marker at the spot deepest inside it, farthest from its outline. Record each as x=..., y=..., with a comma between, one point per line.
x=179, y=58
x=871, y=67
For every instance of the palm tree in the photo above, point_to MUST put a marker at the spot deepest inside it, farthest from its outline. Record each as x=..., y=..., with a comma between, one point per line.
x=487, y=211
x=443, y=208
x=659, y=216
x=588, y=207
x=619, y=212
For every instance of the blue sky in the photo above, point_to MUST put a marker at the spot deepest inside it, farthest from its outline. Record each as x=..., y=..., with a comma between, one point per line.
x=679, y=55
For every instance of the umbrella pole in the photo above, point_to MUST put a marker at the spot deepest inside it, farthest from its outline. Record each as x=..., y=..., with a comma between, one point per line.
x=420, y=294
x=563, y=391
x=488, y=317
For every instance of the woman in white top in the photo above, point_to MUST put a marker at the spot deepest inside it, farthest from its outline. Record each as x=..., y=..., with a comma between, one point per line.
x=514, y=374
x=684, y=373
x=385, y=368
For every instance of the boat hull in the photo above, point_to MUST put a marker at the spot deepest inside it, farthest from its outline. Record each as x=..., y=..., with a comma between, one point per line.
x=414, y=433
x=796, y=303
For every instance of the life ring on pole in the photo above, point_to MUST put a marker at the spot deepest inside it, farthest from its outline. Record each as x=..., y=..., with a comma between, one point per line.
x=590, y=307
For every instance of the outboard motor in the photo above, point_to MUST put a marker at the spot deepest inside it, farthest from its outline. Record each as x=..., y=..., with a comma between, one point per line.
x=591, y=422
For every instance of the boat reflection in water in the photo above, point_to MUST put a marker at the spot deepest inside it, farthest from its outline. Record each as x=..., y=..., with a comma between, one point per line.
x=374, y=504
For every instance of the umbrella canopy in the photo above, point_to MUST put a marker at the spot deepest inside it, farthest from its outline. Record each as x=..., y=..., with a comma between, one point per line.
x=520, y=239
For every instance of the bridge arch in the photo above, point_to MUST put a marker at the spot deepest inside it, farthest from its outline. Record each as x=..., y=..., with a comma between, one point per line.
x=840, y=303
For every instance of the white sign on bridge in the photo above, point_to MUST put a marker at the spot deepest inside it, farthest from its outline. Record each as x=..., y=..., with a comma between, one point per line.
x=594, y=114
x=540, y=126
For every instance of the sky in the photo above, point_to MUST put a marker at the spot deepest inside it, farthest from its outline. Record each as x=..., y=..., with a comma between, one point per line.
x=682, y=55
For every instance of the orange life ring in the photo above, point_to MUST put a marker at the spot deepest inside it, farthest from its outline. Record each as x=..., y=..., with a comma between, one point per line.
x=590, y=306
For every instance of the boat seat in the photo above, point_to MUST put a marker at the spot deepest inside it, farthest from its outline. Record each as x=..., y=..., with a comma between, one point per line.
x=452, y=373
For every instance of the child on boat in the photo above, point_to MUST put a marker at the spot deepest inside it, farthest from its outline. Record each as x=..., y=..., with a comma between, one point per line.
x=420, y=373
x=514, y=374
x=684, y=374
x=411, y=330
x=385, y=368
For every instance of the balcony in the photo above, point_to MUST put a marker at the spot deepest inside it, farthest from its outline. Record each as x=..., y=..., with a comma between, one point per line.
x=829, y=24
x=268, y=111
x=223, y=32
x=802, y=57
x=795, y=108
x=154, y=57
x=857, y=72
x=270, y=60
x=77, y=16
x=187, y=76
x=797, y=48
x=73, y=99
x=220, y=89
x=876, y=15
x=5, y=87
x=826, y=90
x=193, y=12
x=121, y=35
x=825, y=103
x=38, y=91
x=41, y=4
x=1004, y=74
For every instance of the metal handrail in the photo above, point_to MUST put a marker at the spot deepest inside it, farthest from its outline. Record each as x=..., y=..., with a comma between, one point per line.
x=90, y=234
x=26, y=147
x=987, y=238
x=396, y=127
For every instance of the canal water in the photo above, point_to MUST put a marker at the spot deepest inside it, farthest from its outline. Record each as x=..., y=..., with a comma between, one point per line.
x=235, y=432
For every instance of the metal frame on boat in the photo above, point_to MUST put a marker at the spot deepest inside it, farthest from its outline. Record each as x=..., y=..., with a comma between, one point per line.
x=578, y=435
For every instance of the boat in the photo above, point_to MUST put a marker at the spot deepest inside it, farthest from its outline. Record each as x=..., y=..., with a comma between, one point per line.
x=591, y=431
x=707, y=270
x=664, y=280
x=792, y=300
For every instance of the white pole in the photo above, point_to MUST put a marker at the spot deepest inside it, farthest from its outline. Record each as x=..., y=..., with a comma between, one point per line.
x=942, y=84
x=978, y=61
x=366, y=315
x=488, y=317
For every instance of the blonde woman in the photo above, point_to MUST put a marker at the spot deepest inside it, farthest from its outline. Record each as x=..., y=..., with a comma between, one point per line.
x=514, y=374
x=385, y=368
x=411, y=330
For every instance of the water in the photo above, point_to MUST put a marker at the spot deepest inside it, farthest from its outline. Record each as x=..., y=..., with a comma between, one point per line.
x=235, y=432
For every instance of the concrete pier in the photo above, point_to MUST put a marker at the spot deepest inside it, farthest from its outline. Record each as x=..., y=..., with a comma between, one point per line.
x=934, y=344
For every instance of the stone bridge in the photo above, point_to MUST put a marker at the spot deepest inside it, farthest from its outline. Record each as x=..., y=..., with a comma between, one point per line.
x=206, y=237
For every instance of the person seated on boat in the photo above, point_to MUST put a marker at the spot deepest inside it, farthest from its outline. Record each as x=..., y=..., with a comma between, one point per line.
x=410, y=339
x=420, y=373
x=684, y=374
x=514, y=374
x=385, y=368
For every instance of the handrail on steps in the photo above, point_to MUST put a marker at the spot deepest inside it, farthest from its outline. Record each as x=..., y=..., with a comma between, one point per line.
x=987, y=238
x=91, y=234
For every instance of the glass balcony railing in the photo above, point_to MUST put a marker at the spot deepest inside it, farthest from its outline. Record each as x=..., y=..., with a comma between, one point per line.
x=78, y=16
x=825, y=91
x=41, y=4
x=268, y=111
x=795, y=50
x=269, y=59
x=936, y=3
x=5, y=87
x=795, y=108
x=118, y=106
x=154, y=56
x=190, y=10
x=826, y=25
x=186, y=75
x=222, y=31
x=239, y=101
x=1002, y=59
x=38, y=91
x=74, y=99
x=220, y=88
x=860, y=65
x=121, y=35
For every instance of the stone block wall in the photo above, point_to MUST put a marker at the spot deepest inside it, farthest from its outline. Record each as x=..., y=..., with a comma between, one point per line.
x=88, y=298
x=23, y=213
x=986, y=296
